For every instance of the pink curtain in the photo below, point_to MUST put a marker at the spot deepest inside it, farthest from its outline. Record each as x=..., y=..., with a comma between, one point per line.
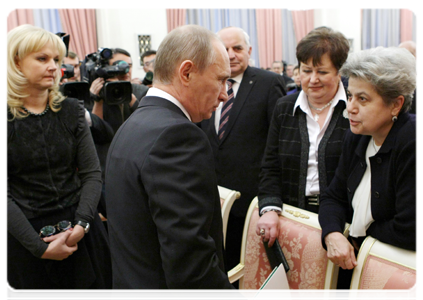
x=19, y=17
x=406, y=25
x=175, y=18
x=269, y=35
x=80, y=24
x=303, y=23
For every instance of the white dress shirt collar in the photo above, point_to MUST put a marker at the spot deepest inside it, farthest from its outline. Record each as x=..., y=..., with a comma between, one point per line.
x=155, y=92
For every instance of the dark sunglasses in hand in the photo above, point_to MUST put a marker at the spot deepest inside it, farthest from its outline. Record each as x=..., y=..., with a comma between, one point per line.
x=50, y=230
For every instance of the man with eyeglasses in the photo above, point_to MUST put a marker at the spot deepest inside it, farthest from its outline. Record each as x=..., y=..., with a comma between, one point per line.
x=147, y=59
x=73, y=60
x=147, y=62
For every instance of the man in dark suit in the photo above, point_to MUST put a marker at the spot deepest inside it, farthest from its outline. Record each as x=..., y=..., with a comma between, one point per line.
x=238, y=141
x=278, y=68
x=163, y=205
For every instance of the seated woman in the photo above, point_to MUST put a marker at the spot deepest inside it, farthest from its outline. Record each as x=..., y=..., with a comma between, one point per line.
x=306, y=132
x=374, y=188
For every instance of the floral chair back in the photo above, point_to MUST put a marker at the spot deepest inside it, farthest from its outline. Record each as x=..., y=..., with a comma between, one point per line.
x=383, y=266
x=300, y=240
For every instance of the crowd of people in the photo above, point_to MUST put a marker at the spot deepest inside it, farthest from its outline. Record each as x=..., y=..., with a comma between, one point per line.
x=125, y=195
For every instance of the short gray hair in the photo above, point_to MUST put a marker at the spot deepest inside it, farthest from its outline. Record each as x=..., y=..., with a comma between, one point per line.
x=244, y=33
x=391, y=71
x=189, y=42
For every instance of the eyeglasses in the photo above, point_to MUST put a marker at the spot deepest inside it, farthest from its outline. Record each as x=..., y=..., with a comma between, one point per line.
x=50, y=230
x=148, y=63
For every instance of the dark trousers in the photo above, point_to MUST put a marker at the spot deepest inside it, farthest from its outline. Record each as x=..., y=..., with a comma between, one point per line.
x=233, y=242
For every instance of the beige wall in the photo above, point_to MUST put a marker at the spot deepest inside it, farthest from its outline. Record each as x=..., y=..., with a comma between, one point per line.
x=347, y=21
x=121, y=27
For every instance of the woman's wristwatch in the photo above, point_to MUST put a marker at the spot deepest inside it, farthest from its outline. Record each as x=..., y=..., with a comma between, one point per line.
x=85, y=225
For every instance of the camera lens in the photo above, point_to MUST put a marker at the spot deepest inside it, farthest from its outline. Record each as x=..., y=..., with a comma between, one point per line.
x=106, y=53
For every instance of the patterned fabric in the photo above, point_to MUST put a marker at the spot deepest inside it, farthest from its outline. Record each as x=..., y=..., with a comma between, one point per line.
x=302, y=248
x=224, y=117
x=382, y=274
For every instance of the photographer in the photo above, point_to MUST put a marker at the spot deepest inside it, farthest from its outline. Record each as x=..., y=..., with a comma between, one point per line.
x=115, y=115
x=147, y=61
x=73, y=60
x=113, y=112
x=71, y=86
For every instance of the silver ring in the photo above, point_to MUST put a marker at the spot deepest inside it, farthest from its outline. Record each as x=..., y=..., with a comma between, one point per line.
x=262, y=231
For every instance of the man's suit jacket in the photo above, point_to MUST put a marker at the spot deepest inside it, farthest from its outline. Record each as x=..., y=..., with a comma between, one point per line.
x=164, y=215
x=238, y=155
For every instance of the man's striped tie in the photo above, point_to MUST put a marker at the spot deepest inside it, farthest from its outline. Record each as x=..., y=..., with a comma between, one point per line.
x=224, y=116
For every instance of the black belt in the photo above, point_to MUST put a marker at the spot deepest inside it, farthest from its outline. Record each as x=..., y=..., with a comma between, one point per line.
x=313, y=200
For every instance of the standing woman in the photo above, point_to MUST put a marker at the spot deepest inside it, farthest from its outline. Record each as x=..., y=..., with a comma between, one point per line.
x=374, y=188
x=55, y=237
x=306, y=133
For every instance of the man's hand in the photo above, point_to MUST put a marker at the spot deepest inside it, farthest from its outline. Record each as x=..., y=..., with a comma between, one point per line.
x=96, y=86
x=340, y=251
x=136, y=81
x=133, y=99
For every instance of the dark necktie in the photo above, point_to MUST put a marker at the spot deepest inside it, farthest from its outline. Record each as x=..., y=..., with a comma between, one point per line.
x=224, y=115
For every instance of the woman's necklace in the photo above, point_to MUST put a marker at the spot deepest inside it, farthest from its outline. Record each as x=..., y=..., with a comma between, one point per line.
x=319, y=109
x=34, y=114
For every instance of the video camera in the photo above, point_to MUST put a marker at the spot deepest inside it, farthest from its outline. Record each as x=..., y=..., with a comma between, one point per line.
x=78, y=90
x=97, y=65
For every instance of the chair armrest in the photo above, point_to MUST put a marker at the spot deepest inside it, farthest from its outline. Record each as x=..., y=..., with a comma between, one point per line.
x=236, y=273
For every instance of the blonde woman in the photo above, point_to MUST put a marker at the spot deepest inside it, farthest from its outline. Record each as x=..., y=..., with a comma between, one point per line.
x=55, y=236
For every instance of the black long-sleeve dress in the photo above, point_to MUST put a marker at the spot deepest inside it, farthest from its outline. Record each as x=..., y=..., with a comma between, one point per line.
x=54, y=175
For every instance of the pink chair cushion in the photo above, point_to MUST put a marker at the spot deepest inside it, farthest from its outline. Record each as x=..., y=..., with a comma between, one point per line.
x=382, y=274
x=302, y=247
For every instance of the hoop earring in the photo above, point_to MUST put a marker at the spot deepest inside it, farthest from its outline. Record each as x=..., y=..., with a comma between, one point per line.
x=394, y=119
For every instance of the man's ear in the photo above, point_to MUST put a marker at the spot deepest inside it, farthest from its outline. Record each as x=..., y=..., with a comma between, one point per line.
x=398, y=103
x=186, y=70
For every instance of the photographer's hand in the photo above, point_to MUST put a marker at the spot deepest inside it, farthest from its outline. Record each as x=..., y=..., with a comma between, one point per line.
x=136, y=81
x=133, y=99
x=96, y=86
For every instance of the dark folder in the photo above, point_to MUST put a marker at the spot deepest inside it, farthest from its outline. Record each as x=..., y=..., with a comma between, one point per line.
x=275, y=255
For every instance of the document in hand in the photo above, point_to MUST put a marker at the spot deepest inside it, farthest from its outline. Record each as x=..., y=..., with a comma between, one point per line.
x=276, y=280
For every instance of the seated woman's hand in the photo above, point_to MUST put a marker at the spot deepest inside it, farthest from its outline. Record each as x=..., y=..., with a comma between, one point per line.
x=270, y=223
x=57, y=248
x=340, y=251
